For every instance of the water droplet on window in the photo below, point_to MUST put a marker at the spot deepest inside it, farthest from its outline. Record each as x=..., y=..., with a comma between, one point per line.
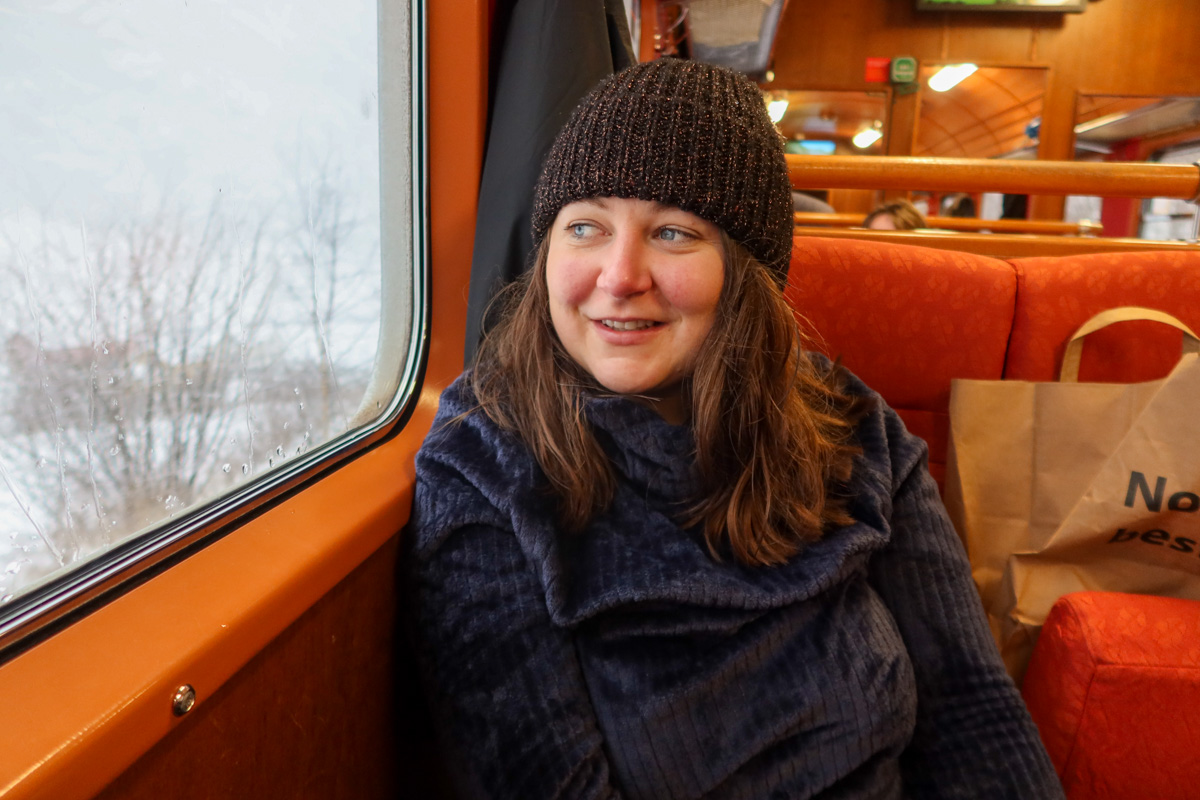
x=119, y=418
x=270, y=462
x=233, y=440
x=285, y=426
x=41, y=462
x=188, y=381
x=225, y=468
x=245, y=469
x=114, y=451
x=296, y=391
x=111, y=380
x=279, y=450
x=6, y=598
x=302, y=406
x=120, y=437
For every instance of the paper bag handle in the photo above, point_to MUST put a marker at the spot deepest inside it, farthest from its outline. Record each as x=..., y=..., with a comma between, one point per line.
x=1070, y=363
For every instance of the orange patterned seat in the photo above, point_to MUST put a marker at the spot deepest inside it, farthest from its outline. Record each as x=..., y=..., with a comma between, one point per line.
x=1057, y=295
x=1114, y=687
x=906, y=320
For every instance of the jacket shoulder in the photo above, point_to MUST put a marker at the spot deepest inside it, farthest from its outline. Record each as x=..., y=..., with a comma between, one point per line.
x=469, y=470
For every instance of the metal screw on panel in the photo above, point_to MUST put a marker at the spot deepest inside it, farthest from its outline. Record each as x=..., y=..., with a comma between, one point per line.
x=184, y=699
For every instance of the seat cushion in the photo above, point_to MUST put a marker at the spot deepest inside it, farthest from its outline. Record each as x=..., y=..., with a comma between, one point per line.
x=1057, y=295
x=906, y=320
x=1114, y=687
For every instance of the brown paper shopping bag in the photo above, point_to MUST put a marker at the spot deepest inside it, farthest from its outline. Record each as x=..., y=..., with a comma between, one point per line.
x=1022, y=457
x=1135, y=529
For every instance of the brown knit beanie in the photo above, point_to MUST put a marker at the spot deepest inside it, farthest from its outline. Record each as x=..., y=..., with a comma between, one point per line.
x=685, y=134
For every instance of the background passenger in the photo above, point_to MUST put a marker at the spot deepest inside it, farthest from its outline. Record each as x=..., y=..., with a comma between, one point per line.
x=958, y=205
x=898, y=215
x=658, y=550
x=802, y=201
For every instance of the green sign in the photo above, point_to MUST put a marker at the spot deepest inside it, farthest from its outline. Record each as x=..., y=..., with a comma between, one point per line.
x=904, y=69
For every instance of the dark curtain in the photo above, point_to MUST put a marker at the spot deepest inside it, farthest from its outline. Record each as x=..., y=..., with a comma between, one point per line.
x=550, y=54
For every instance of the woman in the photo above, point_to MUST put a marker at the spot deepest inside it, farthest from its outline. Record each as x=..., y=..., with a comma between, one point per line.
x=658, y=550
x=898, y=215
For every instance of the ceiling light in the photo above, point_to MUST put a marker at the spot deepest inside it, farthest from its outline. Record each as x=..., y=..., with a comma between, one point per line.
x=949, y=76
x=866, y=137
x=776, y=109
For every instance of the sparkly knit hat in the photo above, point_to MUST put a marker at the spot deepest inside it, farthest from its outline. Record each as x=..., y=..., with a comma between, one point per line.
x=685, y=134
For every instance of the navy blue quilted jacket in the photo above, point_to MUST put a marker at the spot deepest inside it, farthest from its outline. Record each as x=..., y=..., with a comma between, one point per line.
x=624, y=662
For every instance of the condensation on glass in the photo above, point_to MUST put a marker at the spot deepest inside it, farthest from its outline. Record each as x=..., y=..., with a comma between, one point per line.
x=190, y=250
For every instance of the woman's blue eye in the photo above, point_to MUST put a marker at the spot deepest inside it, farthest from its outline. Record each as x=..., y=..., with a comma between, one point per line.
x=673, y=235
x=579, y=230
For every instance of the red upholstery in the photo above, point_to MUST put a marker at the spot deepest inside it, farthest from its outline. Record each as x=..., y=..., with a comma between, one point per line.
x=1114, y=687
x=906, y=320
x=1114, y=683
x=1057, y=295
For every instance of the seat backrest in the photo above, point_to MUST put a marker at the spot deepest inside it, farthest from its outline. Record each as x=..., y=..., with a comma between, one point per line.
x=906, y=320
x=1057, y=295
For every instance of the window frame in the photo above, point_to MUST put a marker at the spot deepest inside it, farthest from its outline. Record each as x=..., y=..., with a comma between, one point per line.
x=45, y=609
x=85, y=704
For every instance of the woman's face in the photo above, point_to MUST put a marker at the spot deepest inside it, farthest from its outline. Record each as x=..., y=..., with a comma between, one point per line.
x=633, y=288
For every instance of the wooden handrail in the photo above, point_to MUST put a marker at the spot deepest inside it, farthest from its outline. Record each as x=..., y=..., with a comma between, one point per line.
x=1012, y=176
x=1048, y=227
x=1000, y=245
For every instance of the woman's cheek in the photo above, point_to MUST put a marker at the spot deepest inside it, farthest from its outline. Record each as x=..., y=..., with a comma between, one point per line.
x=569, y=284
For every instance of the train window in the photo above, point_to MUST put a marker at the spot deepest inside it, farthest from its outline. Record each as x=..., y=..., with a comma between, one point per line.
x=194, y=263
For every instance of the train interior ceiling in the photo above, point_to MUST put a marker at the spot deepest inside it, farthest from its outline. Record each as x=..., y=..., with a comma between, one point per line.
x=239, y=247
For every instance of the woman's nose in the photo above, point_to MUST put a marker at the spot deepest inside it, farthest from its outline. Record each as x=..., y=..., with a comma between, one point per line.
x=626, y=268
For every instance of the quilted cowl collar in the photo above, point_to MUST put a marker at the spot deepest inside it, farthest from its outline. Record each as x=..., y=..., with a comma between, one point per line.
x=646, y=450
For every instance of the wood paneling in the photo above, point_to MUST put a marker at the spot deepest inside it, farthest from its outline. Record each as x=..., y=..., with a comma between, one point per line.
x=327, y=710
x=1113, y=47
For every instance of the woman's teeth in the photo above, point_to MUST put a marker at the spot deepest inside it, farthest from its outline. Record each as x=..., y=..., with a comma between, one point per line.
x=630, y=325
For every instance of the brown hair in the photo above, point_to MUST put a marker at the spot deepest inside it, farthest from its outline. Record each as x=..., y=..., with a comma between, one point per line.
x=774, y=433
x=903, y=213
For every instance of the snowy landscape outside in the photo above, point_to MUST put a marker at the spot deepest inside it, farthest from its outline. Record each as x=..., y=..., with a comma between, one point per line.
x=189, y=252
